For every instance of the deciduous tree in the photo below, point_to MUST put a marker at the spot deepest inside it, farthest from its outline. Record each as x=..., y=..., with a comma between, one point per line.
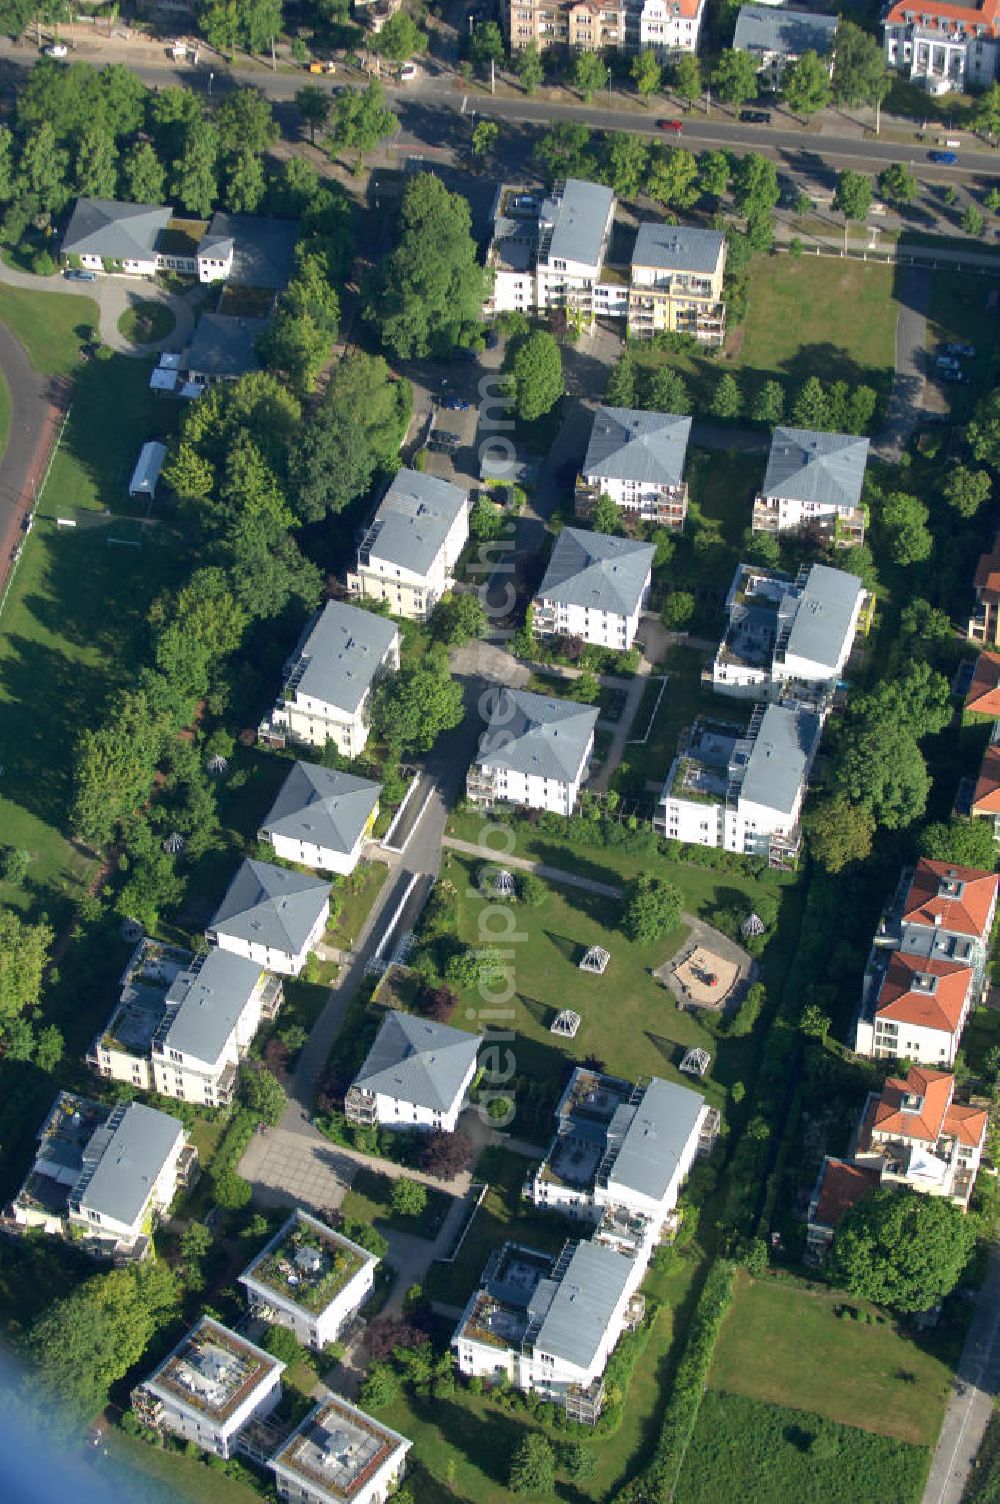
x=627, y=162
x=673, y=177
x=646, y=72
x=652, y=909
x=143, y=176
x=902, y=1249
x=904, y=522
x=967, y=490
x=24, y=953
x=529, y=67
x=885, y=772
x=400, y=38
x=966, y=842
x=414, y=708
x=590, y=73
x=536, y=378
x=734, y=76
x=896, y=184
x=840, y=832
x=853, y=195
x=687, y=77
x=314, y=105
x=806, y=84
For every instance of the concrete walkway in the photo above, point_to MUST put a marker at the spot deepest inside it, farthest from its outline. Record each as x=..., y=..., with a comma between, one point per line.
x=973, y=1391
x=113, y=295
x=524, y=864
x=910, y=376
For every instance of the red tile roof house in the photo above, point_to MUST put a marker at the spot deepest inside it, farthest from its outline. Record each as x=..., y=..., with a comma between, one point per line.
x=913, y=1133
x=927, y=967
x=984, y=623
x=943, y=46
x=839, y=1186
x=983, y=697
x=986, y=795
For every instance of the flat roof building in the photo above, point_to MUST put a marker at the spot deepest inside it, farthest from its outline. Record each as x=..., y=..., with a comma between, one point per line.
x=310, y=1279
x=339, y=1455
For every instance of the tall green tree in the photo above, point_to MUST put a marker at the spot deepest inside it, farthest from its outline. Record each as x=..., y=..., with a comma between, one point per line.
x=755, y=185
x=896, y=184
x=840, y=832
x=687, y=77
x=652, y=909
x=24, y=953
x=902, y=1249
x=673, y=177
x=314, y=105
x=987, y=111
x=734, y=77
x=195, y=182
x=245, y=121
x=810, y=409
x=983, y=432
x=727, y=401
x=623, y=383
x=859, y=75
x=853, y=195
x=260, y=23
x=400, y=38
x=243, y=176
x=361, y=118
x=646, y=72
x=590, y=73
x=713, y=174
x=114, y=767
x=768, y=405
x=486, y=43
x=431, y=287
x=413, y=709
x=565, y=151
x=485, y=136
x=627, y=157
x=44, y=168
x=536, y=376
x=97, y=164
x=533, y=1466
x=529, y=67
x=806, y=84
x=967, y=490
x=965, y=842
x=667, y=393
x=882, y=769
x=903, y=521
x=363, y=390
x=219, y=23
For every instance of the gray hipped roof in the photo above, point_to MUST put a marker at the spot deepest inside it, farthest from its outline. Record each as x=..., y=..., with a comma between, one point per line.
x=578, y=218
x=263, y=249
x=322, y=807
x=627, y=444
x=823, y=615
x=131, y=1159
x=224, y=346
x=678, y=248
x=344, y=647
x=209, y=1003
x=652, y=1137
x=597, y=570
x=804, y=465
x=416, y=1060
x=123, y=232
x=583, y=1304
x=780, y=758
x=416, y=515
x=536, y=735
x=767, y=28
x=271, y=906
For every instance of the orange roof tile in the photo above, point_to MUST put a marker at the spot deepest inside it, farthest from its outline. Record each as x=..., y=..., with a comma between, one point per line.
x=933, y=1087
x=983, y=697
x=964, y=913
x=967, y=1124
x=842, y=1186
x=987, y=14
x=899, y=999
x=986, y=799
x=987, y=576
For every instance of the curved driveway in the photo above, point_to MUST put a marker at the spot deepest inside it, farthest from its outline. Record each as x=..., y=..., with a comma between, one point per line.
x=113, y=295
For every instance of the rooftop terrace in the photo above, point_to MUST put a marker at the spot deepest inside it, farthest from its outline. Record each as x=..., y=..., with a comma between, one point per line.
x=338, y=1448
x=307, y=1263
x=213, y=1370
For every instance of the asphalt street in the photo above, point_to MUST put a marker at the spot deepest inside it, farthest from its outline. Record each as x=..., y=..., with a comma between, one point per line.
x=973, y=1393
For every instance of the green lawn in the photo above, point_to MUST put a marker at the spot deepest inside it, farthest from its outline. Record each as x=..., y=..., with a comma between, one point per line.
x=146, y=323
x=356, y=896
x=958, y=312
x=684, y=699
x=630, y=1021
x=760, y=1454
x=52, y=327
x=870, y=1376
x=151, y=1476
x=74, y=624
x=370, y=1200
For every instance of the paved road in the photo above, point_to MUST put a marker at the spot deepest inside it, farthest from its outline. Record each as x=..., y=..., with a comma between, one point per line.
x=970, y=1406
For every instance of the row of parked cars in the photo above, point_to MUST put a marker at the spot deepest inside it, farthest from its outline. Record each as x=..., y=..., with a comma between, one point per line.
x=948, y=362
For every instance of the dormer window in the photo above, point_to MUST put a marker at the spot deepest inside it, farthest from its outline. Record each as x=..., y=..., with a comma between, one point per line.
x=912, y=1102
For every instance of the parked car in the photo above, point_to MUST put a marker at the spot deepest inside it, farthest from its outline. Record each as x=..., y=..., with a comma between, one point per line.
x=943, y=158
x=75, y=274
x=462, y=352
x=671, y=125
x=947, y=363
x=407, y=73
x=952, y=376
x=56, y=49
x=957, y=347
x=456, y=404
x=755, y=117
x=492, y=337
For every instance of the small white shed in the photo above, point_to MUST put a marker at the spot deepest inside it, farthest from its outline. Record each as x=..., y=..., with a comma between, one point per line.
x=147, y=469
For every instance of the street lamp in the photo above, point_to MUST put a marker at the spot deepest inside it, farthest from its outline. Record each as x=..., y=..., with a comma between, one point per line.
x=609, y=88
x=210, y=78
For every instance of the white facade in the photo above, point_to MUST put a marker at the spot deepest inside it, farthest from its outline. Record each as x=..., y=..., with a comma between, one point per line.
x=211, y=1386
x=307, y=712
x=339, y=1454
x=909, y=1040
x=531, y=792
x=648, y=500
x=400, y=1112
x=321, y=858
x=668, y=28
x=409, y=553
x=274, y=1298
x=273, y=957
x=607, y=629
x=954, y=54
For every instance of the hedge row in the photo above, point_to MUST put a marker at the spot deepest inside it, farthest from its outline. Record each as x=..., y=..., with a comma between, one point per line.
x=660, y=1478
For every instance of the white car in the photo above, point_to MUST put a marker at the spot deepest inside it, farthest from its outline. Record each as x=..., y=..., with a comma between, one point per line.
x=407, y=73
x=57, y=49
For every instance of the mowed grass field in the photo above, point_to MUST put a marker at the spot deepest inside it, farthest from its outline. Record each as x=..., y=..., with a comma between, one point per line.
x=785, y=1344
x=757, y=1453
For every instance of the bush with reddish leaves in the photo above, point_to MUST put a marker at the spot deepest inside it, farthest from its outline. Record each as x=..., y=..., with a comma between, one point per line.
x=385, y=1333
x=446, y=1155
x=438, y=1003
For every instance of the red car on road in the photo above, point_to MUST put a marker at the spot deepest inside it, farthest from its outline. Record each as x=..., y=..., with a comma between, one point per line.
x=671, y=125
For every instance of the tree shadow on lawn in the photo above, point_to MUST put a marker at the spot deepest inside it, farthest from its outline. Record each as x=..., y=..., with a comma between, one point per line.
x=831, y=362
x=487, y=1441
x=542, y=1013
x=569, y=859
x=53, y=699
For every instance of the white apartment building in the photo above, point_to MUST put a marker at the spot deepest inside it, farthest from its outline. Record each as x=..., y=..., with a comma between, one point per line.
x=918, y=1137
x=669, y=27
x=813, y=480
x=416, y=1075
x=776, y=37
x=621, y=1152
x=339, y=1455
x=184, y=1023
x=548, y=1325
x=928, y=965
x=309, y=1279
x=329, y=679
x=535, y=752
x=787, y=635
x=944, y=47
x=212, y=1385
x=142, y=239
x=408, y=554
x=595, y=587
x=103, y=1178
x=740, y=790
x=548, y=254
x=322, y=818
x=637, y=458
x=676, y=281
x=271, y=915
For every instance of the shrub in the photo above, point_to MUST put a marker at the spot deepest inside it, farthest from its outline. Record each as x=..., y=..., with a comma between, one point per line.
x=533, y=1467
x=530, y=890
x=379, y=1388
x=283, y=1344
x=232, y=1192
x=409, y=1197
x=42, y=264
